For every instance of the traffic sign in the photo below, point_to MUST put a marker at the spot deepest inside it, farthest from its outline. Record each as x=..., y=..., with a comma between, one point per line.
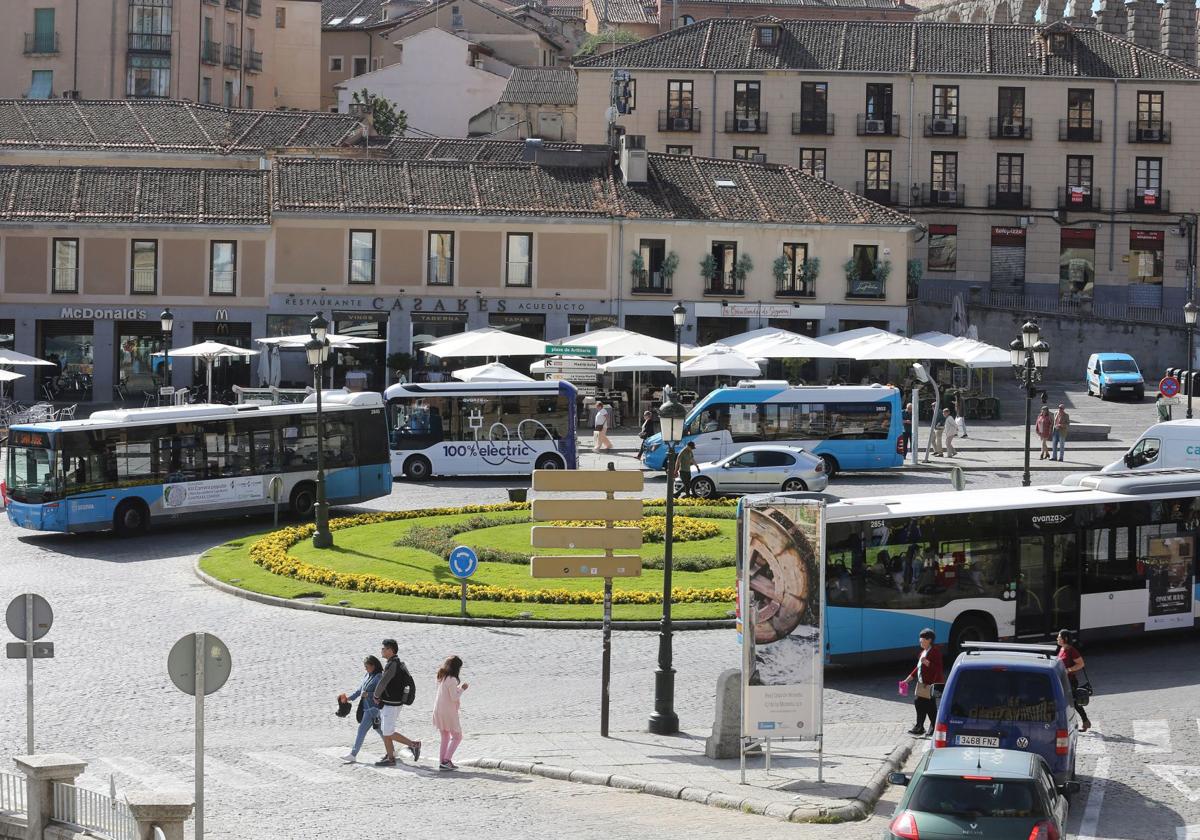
x=16, y=617
x=181, y=663
x=1168, y=386
x=39, y=650
x=585, y=566
x=546, y=510
x=570, y=350
x=463, y=562
x=626, y=481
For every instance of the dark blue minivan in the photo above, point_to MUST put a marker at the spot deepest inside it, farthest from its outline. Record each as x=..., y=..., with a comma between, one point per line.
x=1012, y=697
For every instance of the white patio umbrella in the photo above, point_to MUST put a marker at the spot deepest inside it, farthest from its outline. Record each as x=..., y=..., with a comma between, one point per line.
x=846, y=336
x=12, y=357
x=612, y=342
x=720, y=363
x=9, y=376
x=491, y=372
x=890, y=347
x=210, y=351
x=486, y=341
x=968, y=352
x=786, y=345
x=297, y=342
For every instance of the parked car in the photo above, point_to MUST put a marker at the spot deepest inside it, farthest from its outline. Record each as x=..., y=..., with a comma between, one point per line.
x=1164, y=446
x=1114, y=375
x=984, y=794
x=1014, y=697
x=759, y=469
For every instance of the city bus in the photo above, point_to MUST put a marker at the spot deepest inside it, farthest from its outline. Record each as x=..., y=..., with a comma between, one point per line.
x=480, y=428
x=1108, y=554
x=126, y=469
x=850, y=427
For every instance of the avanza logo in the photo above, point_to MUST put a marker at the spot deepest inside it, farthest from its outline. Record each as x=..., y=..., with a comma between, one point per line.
x=1050, y=519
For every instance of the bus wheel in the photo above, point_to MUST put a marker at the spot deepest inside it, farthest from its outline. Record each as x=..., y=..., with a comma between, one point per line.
x=549, y=462
x=131, y=518
x=831, y=466
x=703, y=488
x=970, y=630
x=417, y=468
x=303, y=500
x=794, y=485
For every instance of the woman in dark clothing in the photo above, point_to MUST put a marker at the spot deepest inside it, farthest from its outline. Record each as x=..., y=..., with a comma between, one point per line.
x=646, y=431
x=928, y=673
x=1072, y=660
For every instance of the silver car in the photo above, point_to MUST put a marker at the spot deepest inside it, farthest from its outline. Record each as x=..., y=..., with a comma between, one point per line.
x=760, y=469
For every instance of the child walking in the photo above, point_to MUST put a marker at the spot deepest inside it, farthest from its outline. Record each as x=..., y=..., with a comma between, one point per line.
x=445, y=710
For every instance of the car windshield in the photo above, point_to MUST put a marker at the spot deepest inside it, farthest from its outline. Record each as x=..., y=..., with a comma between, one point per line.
x=975, y=798
x=1004, y=695
x=31, y=474
x=1118, y=366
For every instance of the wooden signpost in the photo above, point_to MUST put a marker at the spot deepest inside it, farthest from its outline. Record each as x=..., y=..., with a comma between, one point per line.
x=606, y=537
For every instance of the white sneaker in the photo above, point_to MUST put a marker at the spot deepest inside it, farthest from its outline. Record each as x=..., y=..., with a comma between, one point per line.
x=350, y=758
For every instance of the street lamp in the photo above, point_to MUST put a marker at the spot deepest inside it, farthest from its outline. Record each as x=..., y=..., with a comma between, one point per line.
x=1029, y=356
x=167, y=322
x=679, y=315
x=924, y=378
x=317, y=350
x=664, y=721
x=1190, y=311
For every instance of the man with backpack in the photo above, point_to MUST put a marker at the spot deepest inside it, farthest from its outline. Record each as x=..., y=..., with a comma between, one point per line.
x=396, y=688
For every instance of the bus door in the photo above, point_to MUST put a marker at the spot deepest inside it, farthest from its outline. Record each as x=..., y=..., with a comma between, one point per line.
x=1047, y=584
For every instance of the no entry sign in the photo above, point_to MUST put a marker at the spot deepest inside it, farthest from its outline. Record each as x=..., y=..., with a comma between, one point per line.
x=1168, y=386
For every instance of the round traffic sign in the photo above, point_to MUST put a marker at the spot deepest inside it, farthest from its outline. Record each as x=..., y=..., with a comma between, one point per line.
x=181, y=663
x=16, y=617
x=1168, y=386
x=463, y=562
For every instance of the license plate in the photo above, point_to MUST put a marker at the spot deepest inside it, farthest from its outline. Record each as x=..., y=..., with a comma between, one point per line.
x=976, y=741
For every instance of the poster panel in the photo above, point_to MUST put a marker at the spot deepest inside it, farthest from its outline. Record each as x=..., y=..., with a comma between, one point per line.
x=780, y=589
x=1169, y=582
x=217, y=491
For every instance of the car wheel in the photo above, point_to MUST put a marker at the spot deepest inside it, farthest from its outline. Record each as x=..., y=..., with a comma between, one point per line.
x=417, y=468
x=303, y=500
x=794, y=485
x=1103, y=393
x=549, y=462
x=831, y=466
x=131, y=518
x=703, y=488
x=1139, y=396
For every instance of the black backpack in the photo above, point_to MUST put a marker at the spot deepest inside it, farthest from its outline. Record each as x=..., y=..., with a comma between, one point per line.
x=402, y=689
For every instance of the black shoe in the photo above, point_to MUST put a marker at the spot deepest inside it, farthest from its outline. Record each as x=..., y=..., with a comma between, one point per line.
x=929, y=732
x=416, y=750
x=386, y=761
x=917, y=730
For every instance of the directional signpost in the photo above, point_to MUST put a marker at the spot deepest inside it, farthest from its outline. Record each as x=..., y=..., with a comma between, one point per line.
x=570, y=350
x=463, y=563
x=199, y=664
x=608, y=537
x=29, y=618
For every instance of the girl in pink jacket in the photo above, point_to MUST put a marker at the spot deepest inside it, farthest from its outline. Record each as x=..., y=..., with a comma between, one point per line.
x=445, y=710
x=1044, y=426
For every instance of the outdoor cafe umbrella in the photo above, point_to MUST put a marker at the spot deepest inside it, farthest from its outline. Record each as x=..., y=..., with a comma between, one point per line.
x=637, y=363
x=772, y=343
x=491, y=372
x=485, y=341
x=12, y=357
x=612, y=342
x=720, y=363
x=210, y=351
x=7, y=376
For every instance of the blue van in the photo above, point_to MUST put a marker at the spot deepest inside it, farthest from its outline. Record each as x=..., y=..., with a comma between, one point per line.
x=1012, y=697
x=1114, y=375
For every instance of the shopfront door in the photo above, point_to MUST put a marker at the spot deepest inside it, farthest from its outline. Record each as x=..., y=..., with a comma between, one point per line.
x=1047, y=585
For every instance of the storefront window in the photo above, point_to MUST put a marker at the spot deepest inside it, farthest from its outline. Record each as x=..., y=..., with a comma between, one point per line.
x=658, y=326
x=1077, y=264
x=138, y=370
x=364, y=365
x=8, y=334
x=425, y=330
x=68, y=346
x=943, y=248
x=229, y=370
x=714, y=329
x=530, y=326
x=1146, y=256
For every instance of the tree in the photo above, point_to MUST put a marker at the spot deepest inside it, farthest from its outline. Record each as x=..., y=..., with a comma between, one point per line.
x=386, y=118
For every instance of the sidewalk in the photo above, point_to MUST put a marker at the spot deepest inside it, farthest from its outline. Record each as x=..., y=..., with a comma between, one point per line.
x=857, y=759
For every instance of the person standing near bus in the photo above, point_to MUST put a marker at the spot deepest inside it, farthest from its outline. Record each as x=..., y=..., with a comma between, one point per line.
x=906, y=422
x=927, y=674
x=600, y=425
x=1072, y=660
x=949, y=432
x=1062, y=427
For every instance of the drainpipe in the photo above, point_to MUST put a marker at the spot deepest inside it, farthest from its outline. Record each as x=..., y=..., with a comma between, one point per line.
x=245, y=56
x=1112, y=213
x=200, y=51
x=712, y=131
x=112, y=53
x=912, y=83
x=75, y=52
x=619, y=294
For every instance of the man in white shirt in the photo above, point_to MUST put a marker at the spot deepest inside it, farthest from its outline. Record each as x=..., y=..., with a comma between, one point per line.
x=600, y=425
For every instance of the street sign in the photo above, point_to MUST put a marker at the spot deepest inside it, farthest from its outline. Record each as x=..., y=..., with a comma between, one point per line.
x=544, y=510
x=584, y=536
x=19, y=650
x=463, y=562
x=1168, y=386
x=182, y=667
x=570, y=350
x=17, y=618
x=623, y=481
x=585, y=566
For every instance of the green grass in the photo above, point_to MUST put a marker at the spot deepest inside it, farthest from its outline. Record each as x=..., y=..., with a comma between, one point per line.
x=370, y=549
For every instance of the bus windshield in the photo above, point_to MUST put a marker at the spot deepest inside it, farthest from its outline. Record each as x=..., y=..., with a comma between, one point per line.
x=33, y=474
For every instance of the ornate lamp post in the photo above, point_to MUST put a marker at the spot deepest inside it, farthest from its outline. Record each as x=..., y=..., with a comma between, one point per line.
x=664, y=721
x=1190, y=311
x=167, y=322
x=317, y=350
x=1029, y=356
x=679, y=314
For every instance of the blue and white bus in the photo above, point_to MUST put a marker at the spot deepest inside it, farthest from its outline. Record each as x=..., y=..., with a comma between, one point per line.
x=850, y=427
x=481, y=428
x=1107, y=554
x=129, y=468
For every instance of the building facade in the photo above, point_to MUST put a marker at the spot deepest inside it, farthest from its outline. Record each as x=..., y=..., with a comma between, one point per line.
x=1043, y=162
x=238, y=53
x=536, y=102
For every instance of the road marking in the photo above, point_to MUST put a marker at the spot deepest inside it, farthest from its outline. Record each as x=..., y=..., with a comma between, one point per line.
x=1174, y=775
x=1092, y=741
x=1188, y=832
x=144, y=774
x=298, y=767
x=218, y=771
x=1090, y=823
x=367, y=763
x=1151, y=736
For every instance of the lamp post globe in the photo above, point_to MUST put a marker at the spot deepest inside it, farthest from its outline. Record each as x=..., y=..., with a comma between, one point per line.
x=167, y=321
x=679, y=316
x=318, y=327
x=1016, y=353
x=1190, y=311
x=664, y=720
x=1029, y=334
x=317, y=351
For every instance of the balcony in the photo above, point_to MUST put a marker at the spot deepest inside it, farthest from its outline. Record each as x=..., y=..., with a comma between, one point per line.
x=1092, y=133
x=1009, y=198
x=724, y=283
x=679, y=119
x=149, y=42
x=1079, y=198
x=254, y=61
x=233, y=56
x=795, y=287
x=1010, y=128
x=866, y=287
x=812, y=123
x=210, y=52
x=884, y=194
x=254, y=8
x=650, y=283
x=1143, y=200
x=440, y=272
x=945, y=126
x=1149, y=132
x=943, y=195
x=41, y=43
x=871, y=126
x=743, y=122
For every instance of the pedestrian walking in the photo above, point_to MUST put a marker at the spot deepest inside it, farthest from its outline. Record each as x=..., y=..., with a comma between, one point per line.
x=1044, y=427
x=927, y=674
x=684, y=461
x=1072, y=660
x=1062, y=428
x=1164, y=408
x=949, y=432
x=645, y=432
x=394, y=689
x=906, y=423
x=445, y=710
x=600, y=425
x=368, y=711
x=939, y=425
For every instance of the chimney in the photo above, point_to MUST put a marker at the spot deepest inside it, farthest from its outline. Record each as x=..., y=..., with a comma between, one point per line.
x=532, y=145
x=633, y=160
x=1112, y=17
x=1142, y=23
x=1179, y=30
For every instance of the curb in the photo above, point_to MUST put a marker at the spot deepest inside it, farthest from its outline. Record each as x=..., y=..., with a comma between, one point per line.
x=417, y=618
x=934, y=468
x=856, y=809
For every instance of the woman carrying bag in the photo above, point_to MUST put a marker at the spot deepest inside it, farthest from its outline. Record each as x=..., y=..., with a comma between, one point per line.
x=367, y=713
x=927, y=674
x=1072, y=660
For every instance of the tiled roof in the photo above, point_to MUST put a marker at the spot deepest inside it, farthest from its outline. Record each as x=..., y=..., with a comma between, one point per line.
x=626, y=11
x=483, y=151
x=163, y=126
x=677, y=188
x=565, y=9
x=863, y=5
x=95, y=194
x=893, y=47
x=540, y=86
x=352, y=14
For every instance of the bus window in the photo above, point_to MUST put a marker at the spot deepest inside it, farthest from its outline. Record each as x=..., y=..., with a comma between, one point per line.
x=265, y=450
x=133, y=461
x=1108, y=564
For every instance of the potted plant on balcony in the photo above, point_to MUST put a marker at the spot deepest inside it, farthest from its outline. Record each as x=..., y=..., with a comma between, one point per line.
x=741, y=268
x=670, y=265
x=861, y=285
x=637, y=268
x=781, y=268
x=809, y=269
x=708, y=270
x=915, y=273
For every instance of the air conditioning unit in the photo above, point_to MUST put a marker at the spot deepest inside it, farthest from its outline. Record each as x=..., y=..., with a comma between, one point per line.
x=1013, y=130
x=681, y=124
x=747, y=125
x=873, y=126
x=942, y=126
x=946, y=196
x=759, y=157
x=1153, y=134
x=70, y=94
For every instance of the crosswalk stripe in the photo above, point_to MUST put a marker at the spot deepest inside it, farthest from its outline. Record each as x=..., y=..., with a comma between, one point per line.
x=1151, y=736
x=144, y=774
x=219, y=771
x=1188, y=832
x=304, y=770
x=1092, y=741
x=1091, y=814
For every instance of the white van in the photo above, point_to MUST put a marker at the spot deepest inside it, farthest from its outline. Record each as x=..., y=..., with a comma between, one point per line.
x=1164, y=446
